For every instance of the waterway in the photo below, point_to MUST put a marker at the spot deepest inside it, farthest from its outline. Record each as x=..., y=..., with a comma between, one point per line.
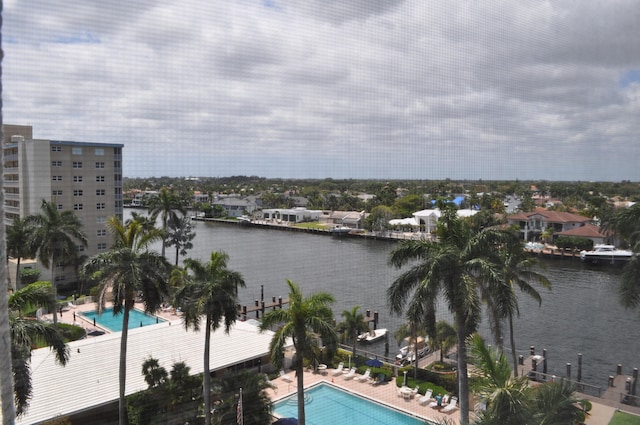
x=581, y=314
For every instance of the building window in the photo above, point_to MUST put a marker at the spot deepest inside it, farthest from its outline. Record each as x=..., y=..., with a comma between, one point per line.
x=76, y=151
x=60, y=278
x=77, y=164
x=99, y=164
x=56, y=148
x=77, y=179
x=56, y=163
x=118, y=191
x=102, y=246
x=101, y=192
x=117, y=151
x=117, y=164
x=78, y=207
x=56, y=193
x=101, y=219
x=60, y=206
x=117, y=177
x=99, y=151
x=101, y=232
x=56, y=178
x=80, y=248
x=78, y=192
x=100, y=206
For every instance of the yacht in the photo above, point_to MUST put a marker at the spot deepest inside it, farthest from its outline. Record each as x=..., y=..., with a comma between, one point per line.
x=606, y=254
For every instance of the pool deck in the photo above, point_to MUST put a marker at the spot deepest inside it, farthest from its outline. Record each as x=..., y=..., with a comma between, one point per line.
x=386, y=394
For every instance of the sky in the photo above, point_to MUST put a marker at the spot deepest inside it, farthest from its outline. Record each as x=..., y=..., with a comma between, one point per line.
x=373, y=89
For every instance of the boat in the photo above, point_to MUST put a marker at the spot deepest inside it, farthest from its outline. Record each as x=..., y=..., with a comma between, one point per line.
x=341, y=230
x=244, y=220
x=407, y=352
x=372, y=336
x=606, y=254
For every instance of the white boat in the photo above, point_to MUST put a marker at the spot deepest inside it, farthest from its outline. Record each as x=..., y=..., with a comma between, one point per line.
x=341, y=230
x=407, y=352
x=372, y=336
x=606, y=254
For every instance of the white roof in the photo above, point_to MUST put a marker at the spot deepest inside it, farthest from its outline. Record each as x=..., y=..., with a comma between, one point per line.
x=90, y=378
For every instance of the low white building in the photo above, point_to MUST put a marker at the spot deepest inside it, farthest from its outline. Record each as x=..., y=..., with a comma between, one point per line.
x=291, y=215
x=90, y=378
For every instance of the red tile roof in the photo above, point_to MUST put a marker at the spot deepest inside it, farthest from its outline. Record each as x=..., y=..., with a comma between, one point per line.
x=586, y=231
x=551, y=216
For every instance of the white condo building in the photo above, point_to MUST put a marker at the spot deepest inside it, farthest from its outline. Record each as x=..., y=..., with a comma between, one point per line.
x=82, y=177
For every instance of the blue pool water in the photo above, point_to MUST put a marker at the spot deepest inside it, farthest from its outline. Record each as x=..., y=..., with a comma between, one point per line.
x=325, y=404
x=113, y=323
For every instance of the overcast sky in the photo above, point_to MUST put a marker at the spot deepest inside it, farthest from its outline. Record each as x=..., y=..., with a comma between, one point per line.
x=469, y=89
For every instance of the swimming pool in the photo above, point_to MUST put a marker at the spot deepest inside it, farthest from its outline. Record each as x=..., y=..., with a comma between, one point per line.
x=325, y=404
x=113, y=323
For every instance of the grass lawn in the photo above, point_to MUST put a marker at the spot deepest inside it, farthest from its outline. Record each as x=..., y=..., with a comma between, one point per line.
x=621, y=418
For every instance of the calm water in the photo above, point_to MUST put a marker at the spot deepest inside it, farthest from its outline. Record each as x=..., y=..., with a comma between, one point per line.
x=581, y=314
x=327, y=405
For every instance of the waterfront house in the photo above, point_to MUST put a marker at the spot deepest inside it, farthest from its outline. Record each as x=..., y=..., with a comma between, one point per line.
x=291, y=215
x=234, y=206
x=532, y=224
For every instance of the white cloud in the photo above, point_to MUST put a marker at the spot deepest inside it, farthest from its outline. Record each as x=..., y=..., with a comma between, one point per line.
x=501, y=89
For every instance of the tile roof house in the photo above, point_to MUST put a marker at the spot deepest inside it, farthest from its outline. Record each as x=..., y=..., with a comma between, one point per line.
x=532, y=224
x=588, y=231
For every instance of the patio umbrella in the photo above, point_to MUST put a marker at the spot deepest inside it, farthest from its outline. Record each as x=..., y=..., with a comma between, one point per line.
x=373, y=363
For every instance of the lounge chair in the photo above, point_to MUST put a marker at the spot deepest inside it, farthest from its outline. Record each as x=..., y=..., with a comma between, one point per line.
x=451, y=406
x=426, y=398
x=365, y=376
x=338, y=370
x=351, y=374
x=285, y=377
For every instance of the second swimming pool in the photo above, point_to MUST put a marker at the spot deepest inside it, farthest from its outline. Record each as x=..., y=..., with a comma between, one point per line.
x=325, y=404
x=113, y=323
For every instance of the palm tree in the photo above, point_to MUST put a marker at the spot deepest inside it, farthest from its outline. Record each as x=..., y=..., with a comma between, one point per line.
x=256, y=404
x=626, y=223
x=516, y=270
x=210, y=292
x=19, y=244
x=453, y=268
x=444, y=338
x=126, y=271
x=55, y=238
x=305, y=321
x=506, y=397
x=25, y=334
x=166, y=205
x=352, y=325
x=154, y=374
x=180, y=235
x=555, y=403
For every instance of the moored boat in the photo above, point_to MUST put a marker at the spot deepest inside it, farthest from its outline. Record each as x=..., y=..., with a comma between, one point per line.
x=372, y=336
x=606, y=254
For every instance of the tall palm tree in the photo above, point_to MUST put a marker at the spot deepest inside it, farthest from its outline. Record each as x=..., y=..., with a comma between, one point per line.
x=444, y=338
x=352, y=325
x=165, y=205
x=516, y=271
x=55, y=237
x=19, y=244
x=180, y=234
x=125, y=271
x=452, y=267
x=210, y=292
x=305, y=322
x=25, y=333
x=506, y=397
